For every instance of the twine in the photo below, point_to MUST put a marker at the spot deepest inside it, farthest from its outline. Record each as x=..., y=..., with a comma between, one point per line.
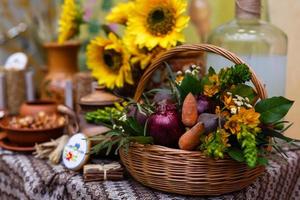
x=248, y=9
x=107, y=167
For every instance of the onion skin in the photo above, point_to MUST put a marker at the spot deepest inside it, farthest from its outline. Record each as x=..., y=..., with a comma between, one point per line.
x=162, y=96
x=165, y=126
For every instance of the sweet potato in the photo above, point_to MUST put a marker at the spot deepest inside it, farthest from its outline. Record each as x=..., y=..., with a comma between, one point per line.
x=189, y=111
x=191, y=138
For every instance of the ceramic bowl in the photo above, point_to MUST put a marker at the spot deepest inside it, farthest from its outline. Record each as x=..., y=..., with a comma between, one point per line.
x=29, y=137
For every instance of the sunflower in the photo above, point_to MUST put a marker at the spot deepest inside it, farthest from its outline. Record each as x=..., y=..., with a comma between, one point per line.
x=157, y=23
x=143, y=56
x=109, y=61
x=69, y=21
x=119, y=13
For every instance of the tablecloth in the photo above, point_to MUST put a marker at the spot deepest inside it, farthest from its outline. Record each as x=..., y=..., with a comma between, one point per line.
x=25, y=177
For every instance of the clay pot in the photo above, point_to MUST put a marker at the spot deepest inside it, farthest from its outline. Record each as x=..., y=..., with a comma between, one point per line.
x=33, y=107
x=28, y=137
x=62, y=66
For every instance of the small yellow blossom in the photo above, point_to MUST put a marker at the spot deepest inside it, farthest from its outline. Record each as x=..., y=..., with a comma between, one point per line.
x=249, y=117
x=233, y=124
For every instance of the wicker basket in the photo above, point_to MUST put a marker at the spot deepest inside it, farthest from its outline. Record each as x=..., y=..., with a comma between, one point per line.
x=188, y=172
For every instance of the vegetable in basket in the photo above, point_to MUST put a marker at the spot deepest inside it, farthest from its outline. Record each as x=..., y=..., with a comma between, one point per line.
x=221, y=114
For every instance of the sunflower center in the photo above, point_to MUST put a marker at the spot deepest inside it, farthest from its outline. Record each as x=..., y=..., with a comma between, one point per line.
x=112, y=59
x=160, y=21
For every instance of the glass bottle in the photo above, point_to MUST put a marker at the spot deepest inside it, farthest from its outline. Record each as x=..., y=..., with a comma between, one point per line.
x=259, y=43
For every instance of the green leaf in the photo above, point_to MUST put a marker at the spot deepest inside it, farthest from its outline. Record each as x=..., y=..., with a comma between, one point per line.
x=132, y=127
x=211, y=71
x=236, y=154
x=262, y=161
x=189, y=84
x=273, y=109
x=244, y=91
x=276, y=134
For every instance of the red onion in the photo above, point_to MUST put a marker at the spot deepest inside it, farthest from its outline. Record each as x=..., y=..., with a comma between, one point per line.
x=162, y=96
x=165, y=126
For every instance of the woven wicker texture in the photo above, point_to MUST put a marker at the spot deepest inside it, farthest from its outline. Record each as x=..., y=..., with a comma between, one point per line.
x=188, y=172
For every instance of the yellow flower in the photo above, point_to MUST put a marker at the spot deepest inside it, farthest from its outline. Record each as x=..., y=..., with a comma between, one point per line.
x=109, y=61
x=119, y=13
x=69, y=21
x=249, y=117
x=210, y=90
x=233, y=124
x=223, y=113
x=224, y=137
x=143, y=57
x=228, y=101
x=213, y=87
x=157, y=23
x=214, y=79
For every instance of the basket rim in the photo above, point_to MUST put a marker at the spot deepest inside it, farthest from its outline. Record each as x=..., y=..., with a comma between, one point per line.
x=192, y=48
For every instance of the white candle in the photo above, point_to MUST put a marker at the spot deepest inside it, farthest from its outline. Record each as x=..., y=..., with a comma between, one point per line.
x=2, y=91
x=69, y=94
x=29, y=86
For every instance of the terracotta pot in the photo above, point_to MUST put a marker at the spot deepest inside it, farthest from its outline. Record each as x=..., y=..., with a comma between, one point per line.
x=62, y=66
x=33, y=107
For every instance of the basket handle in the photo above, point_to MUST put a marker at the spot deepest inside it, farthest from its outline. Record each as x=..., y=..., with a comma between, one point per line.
x=156, y=63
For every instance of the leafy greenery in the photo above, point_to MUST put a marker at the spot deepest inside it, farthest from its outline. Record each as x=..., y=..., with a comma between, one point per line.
x=124, y=129
x=248, y=143
x=189, y=84
x=103, y=115
x=236, y=154
x=214, y=145
x=273, y=109
x=122, y=134
x=234, y=75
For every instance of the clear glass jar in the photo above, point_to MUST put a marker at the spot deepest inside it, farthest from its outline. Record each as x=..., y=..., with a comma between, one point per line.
x=260, y=44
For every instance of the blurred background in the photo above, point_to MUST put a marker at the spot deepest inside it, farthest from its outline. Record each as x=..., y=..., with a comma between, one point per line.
x=26, y=24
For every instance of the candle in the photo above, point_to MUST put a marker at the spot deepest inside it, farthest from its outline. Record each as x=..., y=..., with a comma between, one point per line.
x=29, y=86
x=2, y=91
x=69, y=94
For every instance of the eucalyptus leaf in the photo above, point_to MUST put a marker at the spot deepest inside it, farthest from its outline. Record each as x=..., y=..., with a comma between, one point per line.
x=273, y=109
